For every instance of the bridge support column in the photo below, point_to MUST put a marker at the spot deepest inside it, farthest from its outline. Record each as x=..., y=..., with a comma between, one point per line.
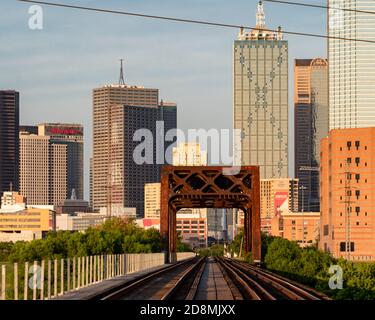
x=256, y=243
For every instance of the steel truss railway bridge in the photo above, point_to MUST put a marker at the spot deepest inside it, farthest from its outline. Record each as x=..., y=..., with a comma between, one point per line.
x=198, y=278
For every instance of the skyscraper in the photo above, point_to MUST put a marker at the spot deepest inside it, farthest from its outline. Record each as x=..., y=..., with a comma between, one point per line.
x=351, y=64
x=260, y=72
x=9, y=140
x=119, y=111
x=277, y=196
x=108, y=126
x=152, y=200
x=90, y=173
x=43, y=170
x=311, y=125
x=70, y=135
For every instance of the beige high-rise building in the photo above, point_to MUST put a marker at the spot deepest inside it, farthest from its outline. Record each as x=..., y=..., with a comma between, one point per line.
x=58, y=173
x=43, y=170
x=107, y=112
x=119, y=111
x=152, y=200
x=277, y=196
x=260, y=101
x=189, y=154
x=70, y=135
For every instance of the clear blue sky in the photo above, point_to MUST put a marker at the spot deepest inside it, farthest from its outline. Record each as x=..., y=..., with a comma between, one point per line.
x=55, y=69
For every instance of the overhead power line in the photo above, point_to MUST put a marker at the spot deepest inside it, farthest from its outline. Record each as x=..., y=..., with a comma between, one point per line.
x=201, y=22
x=293, y=3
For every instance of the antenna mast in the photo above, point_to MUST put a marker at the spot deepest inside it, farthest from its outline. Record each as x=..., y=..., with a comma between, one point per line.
x=121, y=80
x=261, y=17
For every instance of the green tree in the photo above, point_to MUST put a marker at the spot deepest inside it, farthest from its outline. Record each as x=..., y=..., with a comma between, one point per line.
x=5, y=250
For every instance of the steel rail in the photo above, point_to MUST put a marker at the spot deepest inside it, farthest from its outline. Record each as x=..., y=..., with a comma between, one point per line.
x=168, y=295
x=124, y=289
x=290, y=290
x=253, y=289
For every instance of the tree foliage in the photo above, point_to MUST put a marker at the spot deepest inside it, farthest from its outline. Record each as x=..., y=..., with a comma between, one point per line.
x=214, y=250
x=235, y=245
x=5, y=249
x=310, y=266
x=113, y=237
x=182, y=246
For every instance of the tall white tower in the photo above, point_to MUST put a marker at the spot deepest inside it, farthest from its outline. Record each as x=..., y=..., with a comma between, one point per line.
x=260, y=98
x=351, y=64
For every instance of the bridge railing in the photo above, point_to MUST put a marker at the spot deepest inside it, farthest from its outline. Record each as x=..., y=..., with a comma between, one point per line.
x=47, y=279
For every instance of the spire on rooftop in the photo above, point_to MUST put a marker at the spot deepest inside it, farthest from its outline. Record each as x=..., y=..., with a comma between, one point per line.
x=261, y=17
x=121, y=80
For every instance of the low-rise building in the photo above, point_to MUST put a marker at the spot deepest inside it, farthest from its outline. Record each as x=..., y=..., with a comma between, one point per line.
x=193, y=229
x=11, y=198
x=191, y=224
x=80, y=221
x=25, y=224
x=147, y=223
x=302, y=227
x=72, y=205
x=121, y=212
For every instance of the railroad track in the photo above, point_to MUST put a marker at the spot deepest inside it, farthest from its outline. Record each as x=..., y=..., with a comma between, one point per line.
x=268, y=286
x=157, y=285
x=211, y=279
x=180, y=281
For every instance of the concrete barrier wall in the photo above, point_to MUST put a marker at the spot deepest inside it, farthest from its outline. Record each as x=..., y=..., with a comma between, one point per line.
x=140, y=262
x=43, y=280
x=185, y=255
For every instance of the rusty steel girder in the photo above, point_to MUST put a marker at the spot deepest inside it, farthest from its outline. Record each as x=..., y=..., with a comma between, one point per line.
x=207, y=187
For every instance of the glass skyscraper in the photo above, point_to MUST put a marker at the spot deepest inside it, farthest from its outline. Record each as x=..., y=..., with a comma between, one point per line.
x=351, y=64
x=260, y=72
x=311, y=125
x=9, y=140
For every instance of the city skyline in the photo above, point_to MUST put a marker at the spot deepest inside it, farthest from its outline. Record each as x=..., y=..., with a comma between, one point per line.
x=69, y=75
x=226, y=149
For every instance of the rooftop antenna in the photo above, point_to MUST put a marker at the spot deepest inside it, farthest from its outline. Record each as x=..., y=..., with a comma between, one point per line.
x=121, y=80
